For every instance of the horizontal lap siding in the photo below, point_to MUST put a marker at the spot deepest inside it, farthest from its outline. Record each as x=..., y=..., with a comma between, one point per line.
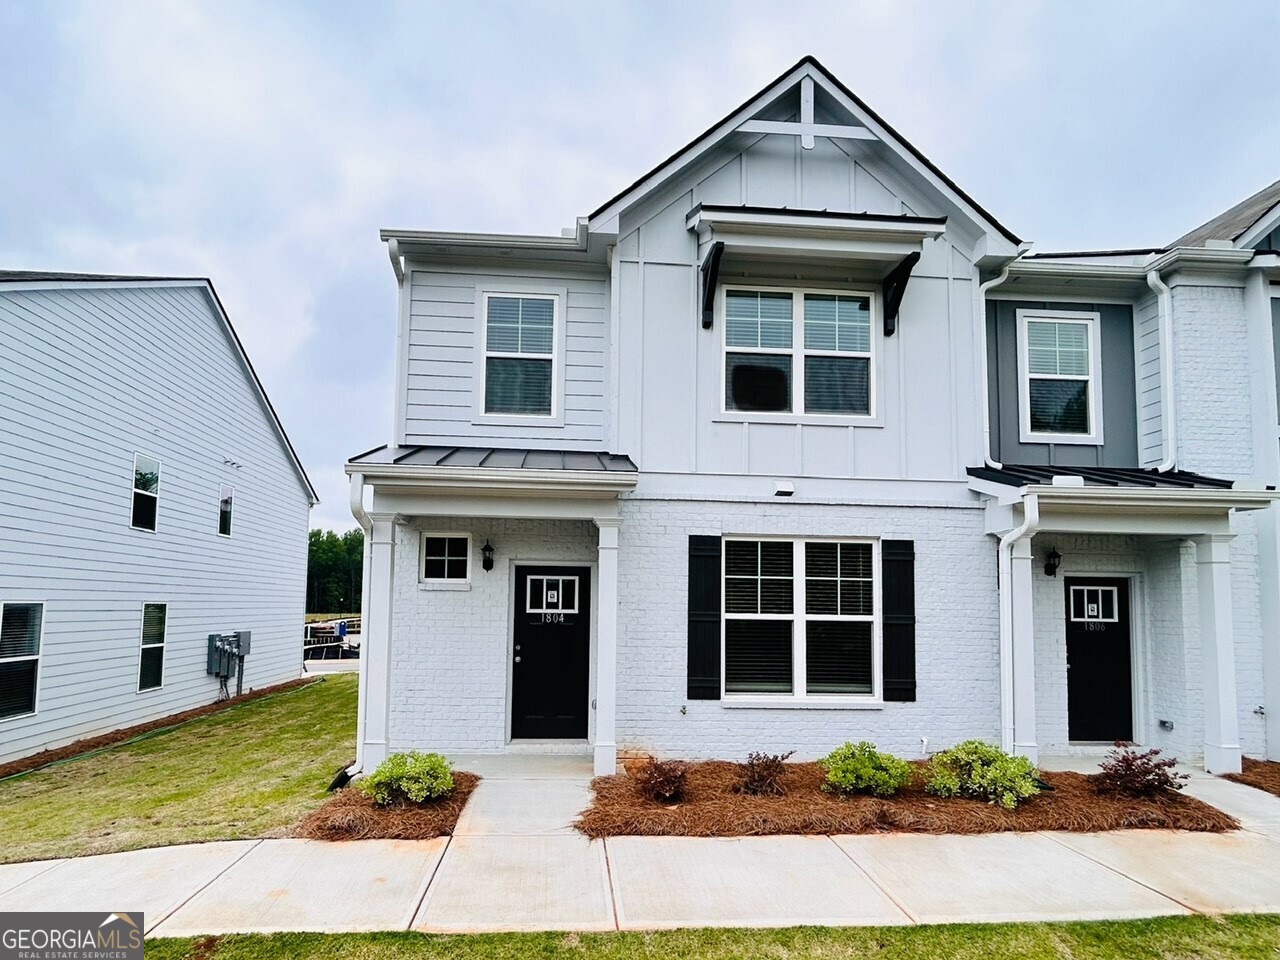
x=445, y=364
x=90, y=376
x=1150, y=414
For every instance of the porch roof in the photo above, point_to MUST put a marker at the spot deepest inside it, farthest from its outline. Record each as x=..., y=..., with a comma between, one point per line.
x=496, y=458
x=1022, y=475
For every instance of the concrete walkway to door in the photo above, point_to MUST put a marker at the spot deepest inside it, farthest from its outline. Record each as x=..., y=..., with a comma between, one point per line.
x=515, y=863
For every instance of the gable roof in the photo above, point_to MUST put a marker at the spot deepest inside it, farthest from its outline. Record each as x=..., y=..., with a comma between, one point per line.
x=52, y=277
x=759, y=101
x=1234, y=223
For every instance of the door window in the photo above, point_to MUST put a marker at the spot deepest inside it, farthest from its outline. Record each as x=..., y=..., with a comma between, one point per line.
x=552, y=595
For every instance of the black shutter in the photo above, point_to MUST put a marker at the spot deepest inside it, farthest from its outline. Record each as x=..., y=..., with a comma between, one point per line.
x=704, y=618
x=898, y=561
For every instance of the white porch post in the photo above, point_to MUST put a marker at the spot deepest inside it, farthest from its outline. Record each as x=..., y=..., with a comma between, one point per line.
x=1024, y=663
x=1217, y=651
x=606, y=745
x=375, y=643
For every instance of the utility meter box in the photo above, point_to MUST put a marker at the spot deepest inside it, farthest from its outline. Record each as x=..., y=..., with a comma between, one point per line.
x=225, y=653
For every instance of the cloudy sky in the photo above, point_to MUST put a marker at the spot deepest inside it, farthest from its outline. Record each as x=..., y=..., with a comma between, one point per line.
x=264, y=144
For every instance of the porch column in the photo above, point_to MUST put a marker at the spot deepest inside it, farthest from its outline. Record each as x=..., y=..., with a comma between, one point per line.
x=1217, y=653
x=375, y=643
x=1024, y=652
x=606, y=745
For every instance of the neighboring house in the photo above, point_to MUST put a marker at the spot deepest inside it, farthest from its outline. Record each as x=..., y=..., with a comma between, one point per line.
x=148, y=498
x=790, y=443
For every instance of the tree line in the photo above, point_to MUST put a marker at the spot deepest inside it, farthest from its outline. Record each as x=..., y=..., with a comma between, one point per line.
x=335, y=563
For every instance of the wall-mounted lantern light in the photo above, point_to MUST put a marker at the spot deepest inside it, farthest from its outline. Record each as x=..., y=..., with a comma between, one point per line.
x=486, y=555
x=1051, y=562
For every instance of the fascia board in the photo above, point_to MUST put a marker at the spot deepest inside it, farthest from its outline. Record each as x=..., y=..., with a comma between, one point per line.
x=496, y=478
x=1197, y=501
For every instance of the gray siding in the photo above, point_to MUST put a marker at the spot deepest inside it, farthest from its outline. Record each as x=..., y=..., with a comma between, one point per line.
x=88, y=377
x=444, y=359
x=1146, y=334
x=1119, y=409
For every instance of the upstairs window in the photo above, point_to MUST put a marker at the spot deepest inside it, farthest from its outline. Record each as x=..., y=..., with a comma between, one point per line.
x=519, y=355
x=20, y=630
x=155, y=618
x=1059, y=366
x=146, y=492
x=800, y=618
x=826, y=368
x=226, y=498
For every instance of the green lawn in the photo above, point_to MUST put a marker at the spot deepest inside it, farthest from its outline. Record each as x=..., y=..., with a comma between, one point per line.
x=1238, y=938
x=249, y=771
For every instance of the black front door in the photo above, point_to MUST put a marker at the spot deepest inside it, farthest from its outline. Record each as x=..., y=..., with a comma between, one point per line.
x=551, y=653
x=1099, y=662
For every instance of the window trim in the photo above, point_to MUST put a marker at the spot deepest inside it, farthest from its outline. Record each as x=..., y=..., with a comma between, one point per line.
x=797, y=352
x=1092, y=322
x=133, y=489
x=559, y=296
x=231, y=524
x=39, y=654
x=799, y=695
x=444, y=583
x=142, y=630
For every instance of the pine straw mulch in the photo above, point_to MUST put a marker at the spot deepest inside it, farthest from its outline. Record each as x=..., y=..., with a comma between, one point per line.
x=350, y=815
x=1263, y=774
x=711, y=808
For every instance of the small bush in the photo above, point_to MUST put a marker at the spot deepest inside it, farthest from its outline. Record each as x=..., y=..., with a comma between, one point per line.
x=662, y=780
x=985, y=772
x=861, y=768
x=762, y=774
x=411, y=777
x=1134, y=773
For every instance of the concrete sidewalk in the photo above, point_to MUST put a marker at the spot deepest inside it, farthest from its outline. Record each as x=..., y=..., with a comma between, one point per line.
x=515, y=863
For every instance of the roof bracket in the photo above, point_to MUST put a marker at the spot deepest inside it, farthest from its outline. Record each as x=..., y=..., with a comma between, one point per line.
x=710, y=276
x=894, y=288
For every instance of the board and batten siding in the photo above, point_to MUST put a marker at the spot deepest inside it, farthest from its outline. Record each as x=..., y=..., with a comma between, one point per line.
x=444, y=357
x=670, y=404
x=89, y=375
x=1118, y=401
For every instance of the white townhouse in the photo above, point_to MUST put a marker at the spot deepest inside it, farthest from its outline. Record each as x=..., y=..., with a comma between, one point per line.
x=148, y=498
x=791, y=443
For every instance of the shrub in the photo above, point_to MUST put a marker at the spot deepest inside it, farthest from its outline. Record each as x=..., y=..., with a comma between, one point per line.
x=980, y=770
x=662, y=780
x=1134, y=773
x=861, y=768
x=762, y=774
x=411, y=777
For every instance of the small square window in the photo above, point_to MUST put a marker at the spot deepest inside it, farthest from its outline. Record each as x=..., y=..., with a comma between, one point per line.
x=446, y=557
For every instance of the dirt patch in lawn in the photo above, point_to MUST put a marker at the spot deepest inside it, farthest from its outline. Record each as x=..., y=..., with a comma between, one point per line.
x=93, y=744
x=350, y=815
x=1263, y=774
x=711, y=808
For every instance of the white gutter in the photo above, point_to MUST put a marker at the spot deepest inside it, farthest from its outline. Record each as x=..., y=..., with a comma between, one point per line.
x=1004, y=577
x=1168, y=417
x=362, y=518
x=984, y=374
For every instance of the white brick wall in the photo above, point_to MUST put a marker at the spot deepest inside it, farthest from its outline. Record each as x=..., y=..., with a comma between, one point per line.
x=449, y=648
x=956, y=634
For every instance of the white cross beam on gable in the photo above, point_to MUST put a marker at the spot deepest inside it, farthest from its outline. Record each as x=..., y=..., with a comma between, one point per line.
x=807, y=129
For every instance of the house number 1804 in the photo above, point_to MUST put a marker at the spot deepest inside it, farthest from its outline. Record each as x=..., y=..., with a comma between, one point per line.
x=553, y=618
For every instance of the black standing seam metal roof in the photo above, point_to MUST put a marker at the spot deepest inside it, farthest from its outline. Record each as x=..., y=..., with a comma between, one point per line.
x=1019, y=475
x=497, y=458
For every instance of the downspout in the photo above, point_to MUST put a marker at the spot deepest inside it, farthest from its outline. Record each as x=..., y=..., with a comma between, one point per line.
x=362, y=518
x=984, y=377
x=1168, y=416
x=1004, y=576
